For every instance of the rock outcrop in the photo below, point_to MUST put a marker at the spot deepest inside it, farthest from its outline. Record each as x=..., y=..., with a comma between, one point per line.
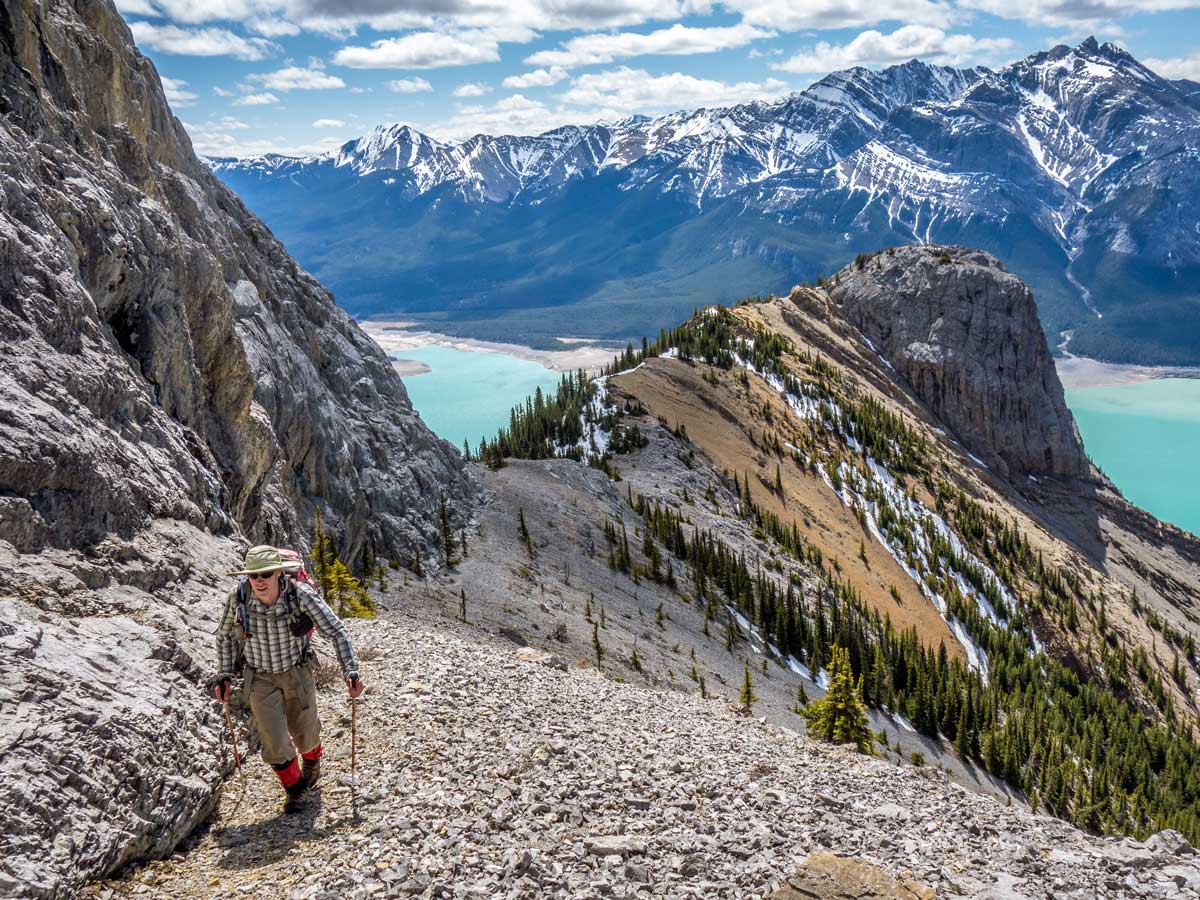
x=964, y=334
x=171, y=386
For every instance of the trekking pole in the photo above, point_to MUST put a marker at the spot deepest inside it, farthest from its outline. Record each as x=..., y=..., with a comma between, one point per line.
x=237, y=757
x=353, y=738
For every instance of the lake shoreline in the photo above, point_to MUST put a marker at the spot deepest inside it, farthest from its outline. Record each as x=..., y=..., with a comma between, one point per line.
x=1080, y=372
x=396, y=336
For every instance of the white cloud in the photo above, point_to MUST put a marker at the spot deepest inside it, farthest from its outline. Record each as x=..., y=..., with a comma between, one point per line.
x=410, y=86
x=297, y=78
x=199, y=41
x=136, y=8
x=263, y=99
x=174, y=89
x=1090, y=15
x=536, y=78
x=794, y=15
x=637, y=91
x=423, y=50
x=273, y=27
x=473, y=89
x=221, y=92
x=911, y=41
x=329, y=123
x=216, y=137
x=678, y=40
x=516, y=114
x=1176, y=67
x=549, y=15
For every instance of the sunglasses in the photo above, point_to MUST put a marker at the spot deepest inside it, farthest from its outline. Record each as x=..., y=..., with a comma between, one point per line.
x=262, y=576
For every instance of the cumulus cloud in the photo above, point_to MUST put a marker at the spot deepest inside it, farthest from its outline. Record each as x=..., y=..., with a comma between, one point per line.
x=516, y=114
x=136, y=8
x=410, y=86
x=298, y=78
x=677, y=40
x=637, y=91
x=199, y=41
x=1176, y=67
x=329, y=123
x=911, y=41
x=176, y=93
x=473, y=89
x=273, y=27
x=422, y=50
x=263, y=99
x=794, y=15
x=1078, y=14
x=536, y=78
x=216, y=137
x=550, y=15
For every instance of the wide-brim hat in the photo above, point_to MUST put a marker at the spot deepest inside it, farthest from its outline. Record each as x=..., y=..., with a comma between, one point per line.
x=262, y=558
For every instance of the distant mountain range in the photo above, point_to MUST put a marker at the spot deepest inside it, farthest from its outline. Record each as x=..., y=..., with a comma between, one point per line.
x=1078, y=167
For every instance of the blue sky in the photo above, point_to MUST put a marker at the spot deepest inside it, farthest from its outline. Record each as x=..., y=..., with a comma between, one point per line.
x=303, y=76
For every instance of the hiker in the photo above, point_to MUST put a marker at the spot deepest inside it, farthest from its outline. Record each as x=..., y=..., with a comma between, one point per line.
x=268, y=619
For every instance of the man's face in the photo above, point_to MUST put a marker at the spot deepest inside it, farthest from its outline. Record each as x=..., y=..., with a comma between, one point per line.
x=266, y=586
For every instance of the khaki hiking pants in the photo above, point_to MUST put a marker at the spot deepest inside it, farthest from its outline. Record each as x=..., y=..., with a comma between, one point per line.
x=284, y=705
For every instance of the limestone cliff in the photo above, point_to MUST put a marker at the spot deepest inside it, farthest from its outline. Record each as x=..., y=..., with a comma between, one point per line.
x=964, y=335
x=172, y=385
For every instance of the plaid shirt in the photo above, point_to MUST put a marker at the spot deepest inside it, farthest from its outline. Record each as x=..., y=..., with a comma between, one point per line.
x=271, y=646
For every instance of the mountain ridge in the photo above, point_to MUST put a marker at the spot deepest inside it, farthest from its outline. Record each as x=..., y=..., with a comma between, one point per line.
x=1041, y=162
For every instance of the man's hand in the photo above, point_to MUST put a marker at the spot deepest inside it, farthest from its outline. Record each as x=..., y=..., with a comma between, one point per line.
x=222, y=688
x=354, y=685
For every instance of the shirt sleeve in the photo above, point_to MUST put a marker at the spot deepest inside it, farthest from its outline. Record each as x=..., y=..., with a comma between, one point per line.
x=227, y=638
x=329, y=625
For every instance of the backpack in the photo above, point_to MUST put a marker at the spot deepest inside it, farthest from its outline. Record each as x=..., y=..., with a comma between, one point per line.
x=295, y=568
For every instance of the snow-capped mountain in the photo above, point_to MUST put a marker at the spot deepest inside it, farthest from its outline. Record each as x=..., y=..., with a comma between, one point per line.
x=1077, y=166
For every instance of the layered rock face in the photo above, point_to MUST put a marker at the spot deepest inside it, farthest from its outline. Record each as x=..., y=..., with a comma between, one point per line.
x=172, y=386
x=964, y=334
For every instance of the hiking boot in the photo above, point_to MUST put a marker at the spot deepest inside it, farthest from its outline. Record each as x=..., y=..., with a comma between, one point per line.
x=311, y=771
x=295, y=796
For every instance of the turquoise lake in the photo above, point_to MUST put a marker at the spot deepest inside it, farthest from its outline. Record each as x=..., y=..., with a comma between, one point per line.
x=469, y=394
x=1146, y=438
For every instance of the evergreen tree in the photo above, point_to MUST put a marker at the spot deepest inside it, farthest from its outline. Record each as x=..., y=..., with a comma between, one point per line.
x=596, y=646
x=747, y=698
x=840, y=716
x=449, y=541
x=462, y=539
x=348, y=595
x=523, y=533
x=323, y=556
x=462, y=605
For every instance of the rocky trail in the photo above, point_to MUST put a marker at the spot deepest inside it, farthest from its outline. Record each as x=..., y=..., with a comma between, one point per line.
x=490, y=771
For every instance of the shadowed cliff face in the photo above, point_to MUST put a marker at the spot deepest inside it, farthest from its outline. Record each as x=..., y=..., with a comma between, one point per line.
x=211, y=379
x=964, y=335
x=172, y=386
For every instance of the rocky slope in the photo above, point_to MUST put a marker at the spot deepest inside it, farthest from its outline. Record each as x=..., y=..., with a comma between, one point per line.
x=488, y=771
x=1076, y=166
x=172, y=386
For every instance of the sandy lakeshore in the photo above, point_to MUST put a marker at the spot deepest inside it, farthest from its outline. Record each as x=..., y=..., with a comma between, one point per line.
x=1080, y=372
x=396, y=336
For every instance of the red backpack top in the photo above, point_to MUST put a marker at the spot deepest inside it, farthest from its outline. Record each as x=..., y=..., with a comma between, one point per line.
x=294, y=566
